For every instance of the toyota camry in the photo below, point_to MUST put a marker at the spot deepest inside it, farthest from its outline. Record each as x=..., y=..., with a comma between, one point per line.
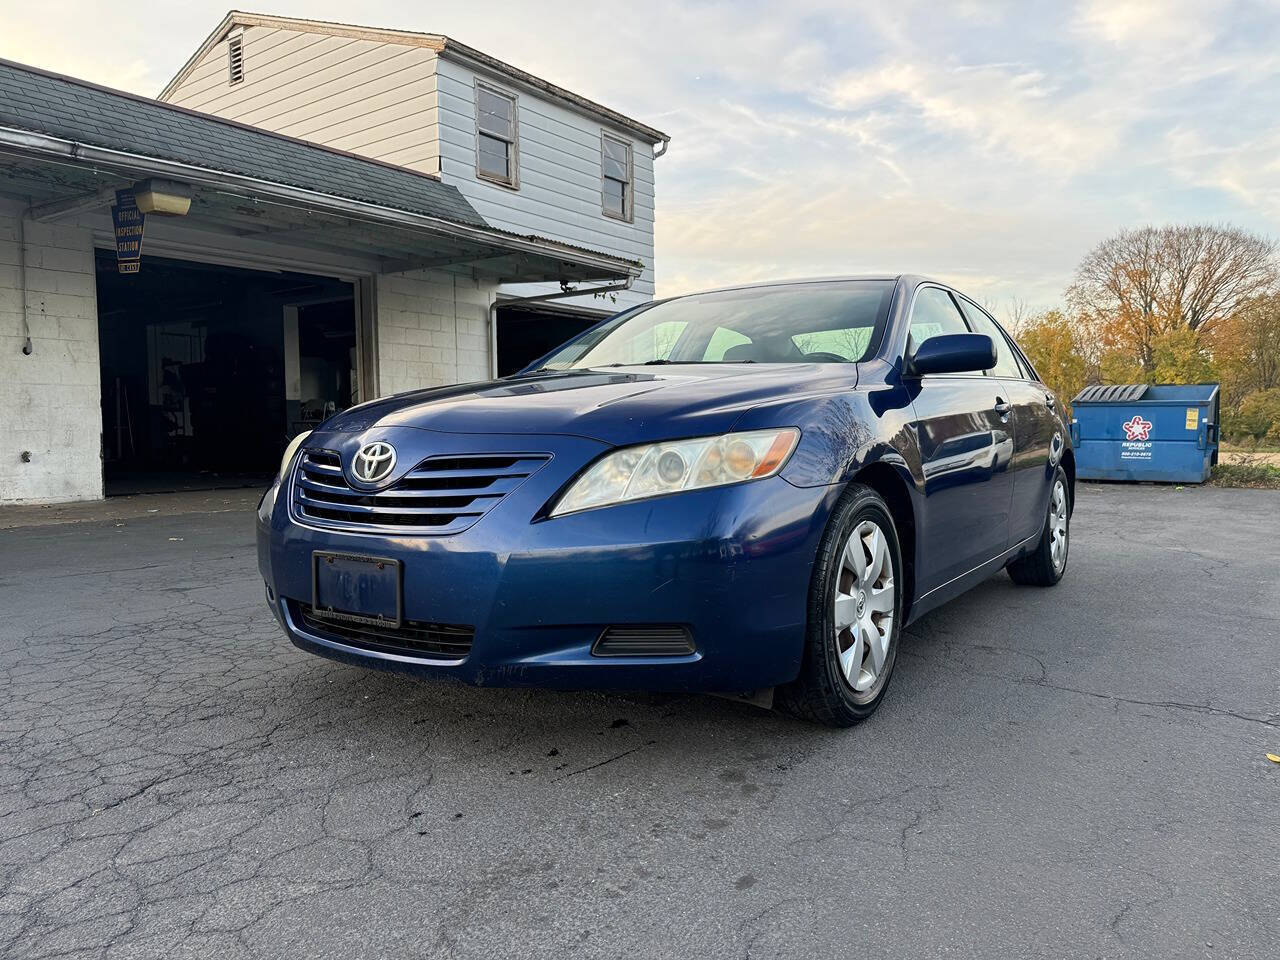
x=748, y=491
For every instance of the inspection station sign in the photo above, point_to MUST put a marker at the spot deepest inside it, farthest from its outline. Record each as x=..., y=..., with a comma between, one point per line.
x=128, y=222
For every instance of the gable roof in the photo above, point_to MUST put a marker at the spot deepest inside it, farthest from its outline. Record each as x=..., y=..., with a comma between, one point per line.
x=72, y=109
x=442, y=45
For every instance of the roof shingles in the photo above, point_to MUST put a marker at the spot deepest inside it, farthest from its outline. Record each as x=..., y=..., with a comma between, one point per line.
x=40, y=102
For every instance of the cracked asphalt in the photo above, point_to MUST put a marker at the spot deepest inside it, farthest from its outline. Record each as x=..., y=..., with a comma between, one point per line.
x=1075, y=772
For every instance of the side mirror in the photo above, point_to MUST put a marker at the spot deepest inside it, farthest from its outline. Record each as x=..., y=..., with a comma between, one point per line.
x=953, y=353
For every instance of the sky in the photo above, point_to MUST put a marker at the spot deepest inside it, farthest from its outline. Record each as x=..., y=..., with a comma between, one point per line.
x=989, y=144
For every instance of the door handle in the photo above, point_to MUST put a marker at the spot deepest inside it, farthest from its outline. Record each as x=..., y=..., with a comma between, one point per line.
x=1050, y=400
x=1003, y=406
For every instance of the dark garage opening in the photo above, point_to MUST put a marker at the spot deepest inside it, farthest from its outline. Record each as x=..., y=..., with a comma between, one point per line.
x=526, y=333
x=208, y=371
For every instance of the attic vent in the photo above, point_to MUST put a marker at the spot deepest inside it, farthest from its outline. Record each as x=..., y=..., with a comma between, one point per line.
x=235, y=57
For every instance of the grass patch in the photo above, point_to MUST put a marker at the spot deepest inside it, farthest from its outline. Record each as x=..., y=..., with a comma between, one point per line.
x=1259, y=476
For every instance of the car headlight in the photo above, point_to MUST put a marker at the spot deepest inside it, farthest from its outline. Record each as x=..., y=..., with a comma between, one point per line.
x=654, y=469
x=290, y=450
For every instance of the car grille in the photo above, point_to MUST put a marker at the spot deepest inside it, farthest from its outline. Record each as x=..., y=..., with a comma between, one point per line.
x=441, y=495
x=432, y=641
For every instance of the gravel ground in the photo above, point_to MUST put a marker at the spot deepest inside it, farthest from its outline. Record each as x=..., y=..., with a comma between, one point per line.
x=1076, y=772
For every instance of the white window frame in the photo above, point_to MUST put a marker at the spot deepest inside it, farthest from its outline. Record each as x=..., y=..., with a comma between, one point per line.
x=512, y=182
x=235, y=44
x=628, y=214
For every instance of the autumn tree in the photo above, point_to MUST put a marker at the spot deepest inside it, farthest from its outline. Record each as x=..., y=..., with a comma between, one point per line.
x=1052, y=344
x=1246, y=348
x=1140, y=286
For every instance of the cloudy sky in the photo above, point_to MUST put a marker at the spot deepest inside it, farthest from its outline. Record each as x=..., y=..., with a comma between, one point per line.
x=988, y=143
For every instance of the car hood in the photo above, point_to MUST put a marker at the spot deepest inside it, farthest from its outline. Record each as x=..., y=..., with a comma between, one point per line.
x=613, y=405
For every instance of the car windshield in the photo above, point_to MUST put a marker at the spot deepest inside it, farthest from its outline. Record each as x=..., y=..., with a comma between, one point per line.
x=827, y=322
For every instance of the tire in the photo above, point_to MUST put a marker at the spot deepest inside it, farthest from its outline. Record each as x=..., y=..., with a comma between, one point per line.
x=824, y=692
x=1041, y=567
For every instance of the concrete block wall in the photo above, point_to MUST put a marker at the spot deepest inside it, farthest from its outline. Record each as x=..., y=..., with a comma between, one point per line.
x=50, y=401
x=432, y=329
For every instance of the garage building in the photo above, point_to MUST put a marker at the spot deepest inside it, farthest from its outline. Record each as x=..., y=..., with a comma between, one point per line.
x=300, y=279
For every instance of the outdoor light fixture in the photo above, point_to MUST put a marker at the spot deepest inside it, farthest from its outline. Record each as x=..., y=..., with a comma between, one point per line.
x=167, y=197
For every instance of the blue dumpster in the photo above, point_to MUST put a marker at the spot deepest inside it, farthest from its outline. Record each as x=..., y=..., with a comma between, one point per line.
x=1166, y=433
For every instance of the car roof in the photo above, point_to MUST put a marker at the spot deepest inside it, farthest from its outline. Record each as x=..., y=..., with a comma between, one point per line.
x=911, y=279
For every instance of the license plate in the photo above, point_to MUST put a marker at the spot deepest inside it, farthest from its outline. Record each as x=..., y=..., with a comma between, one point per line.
x=357, y=589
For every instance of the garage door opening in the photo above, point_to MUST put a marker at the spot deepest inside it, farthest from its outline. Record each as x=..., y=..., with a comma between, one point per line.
x=526, y=333
x=208, y=371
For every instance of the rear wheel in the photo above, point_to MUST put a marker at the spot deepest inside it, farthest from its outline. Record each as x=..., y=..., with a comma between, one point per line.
x=1045, y=566
x=855, y=613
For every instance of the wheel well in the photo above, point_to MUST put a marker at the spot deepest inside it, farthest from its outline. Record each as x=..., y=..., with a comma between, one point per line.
x=1069, y=466
x=887, y=482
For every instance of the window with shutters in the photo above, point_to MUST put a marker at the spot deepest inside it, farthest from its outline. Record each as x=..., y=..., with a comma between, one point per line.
x=497, y=127
x=616, y=176
x=235, y=57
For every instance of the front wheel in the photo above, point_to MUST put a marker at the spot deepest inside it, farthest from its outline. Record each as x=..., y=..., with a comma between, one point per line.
x=855, y=614
x=1045, y=565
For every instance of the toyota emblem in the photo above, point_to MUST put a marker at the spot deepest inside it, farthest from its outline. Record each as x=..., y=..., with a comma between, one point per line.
x=374, y=462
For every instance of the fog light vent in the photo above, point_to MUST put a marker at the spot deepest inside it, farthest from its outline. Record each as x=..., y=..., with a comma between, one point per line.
x=644, y=641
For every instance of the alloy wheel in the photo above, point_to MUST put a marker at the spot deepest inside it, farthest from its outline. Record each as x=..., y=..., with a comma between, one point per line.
x=863, y=608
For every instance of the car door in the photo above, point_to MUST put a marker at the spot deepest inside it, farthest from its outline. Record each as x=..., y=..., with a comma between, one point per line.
x=963, y=423
x=1038, y=439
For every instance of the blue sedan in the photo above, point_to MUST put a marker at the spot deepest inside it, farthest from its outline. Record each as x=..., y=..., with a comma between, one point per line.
x=748, y=491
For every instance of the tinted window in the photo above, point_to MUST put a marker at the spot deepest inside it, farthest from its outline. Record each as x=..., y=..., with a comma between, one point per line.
x=783, y=323
x=1006, y=363
x=933, y=314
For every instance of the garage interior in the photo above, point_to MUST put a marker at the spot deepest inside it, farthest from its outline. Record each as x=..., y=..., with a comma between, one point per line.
x=209, y=370
x=526, y=333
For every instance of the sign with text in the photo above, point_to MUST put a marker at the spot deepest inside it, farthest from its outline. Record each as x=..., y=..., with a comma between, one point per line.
x=128, y=222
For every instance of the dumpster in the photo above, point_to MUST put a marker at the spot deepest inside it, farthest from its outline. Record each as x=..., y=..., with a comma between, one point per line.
x=1167, y=433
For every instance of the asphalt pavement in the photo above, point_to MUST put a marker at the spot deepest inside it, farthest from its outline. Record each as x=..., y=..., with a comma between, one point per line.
x=1071, y=772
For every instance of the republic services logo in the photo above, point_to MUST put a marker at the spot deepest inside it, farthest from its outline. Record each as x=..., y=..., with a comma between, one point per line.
x=1137, y=428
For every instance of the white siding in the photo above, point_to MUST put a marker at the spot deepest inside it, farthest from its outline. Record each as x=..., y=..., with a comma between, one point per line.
x=559, y=195
x=52, y=398
x=369, y=97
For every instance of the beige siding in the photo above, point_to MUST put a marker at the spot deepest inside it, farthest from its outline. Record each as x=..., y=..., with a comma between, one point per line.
x=372, y=98
x=402, y=104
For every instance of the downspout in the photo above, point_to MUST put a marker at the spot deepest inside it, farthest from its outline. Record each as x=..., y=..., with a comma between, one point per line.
x=558, y=295
x=662, y=149
x=27, y=346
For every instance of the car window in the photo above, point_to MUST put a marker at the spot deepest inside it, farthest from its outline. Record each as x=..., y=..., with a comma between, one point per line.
x=651, y=343
x=933, y=315
x=721, y=340
x=1023, y=363
x=1006, y=363
x=849, y=342
x=776, y=323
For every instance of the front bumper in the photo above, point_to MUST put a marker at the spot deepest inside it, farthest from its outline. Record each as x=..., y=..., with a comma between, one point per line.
x=732, y=564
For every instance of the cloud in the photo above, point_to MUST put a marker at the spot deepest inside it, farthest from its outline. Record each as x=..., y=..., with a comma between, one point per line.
x=992, y=143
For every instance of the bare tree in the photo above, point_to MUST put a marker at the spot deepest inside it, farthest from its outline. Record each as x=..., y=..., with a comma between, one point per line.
x=1210, y=271
x=1017, y=315
x=1139, y=284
